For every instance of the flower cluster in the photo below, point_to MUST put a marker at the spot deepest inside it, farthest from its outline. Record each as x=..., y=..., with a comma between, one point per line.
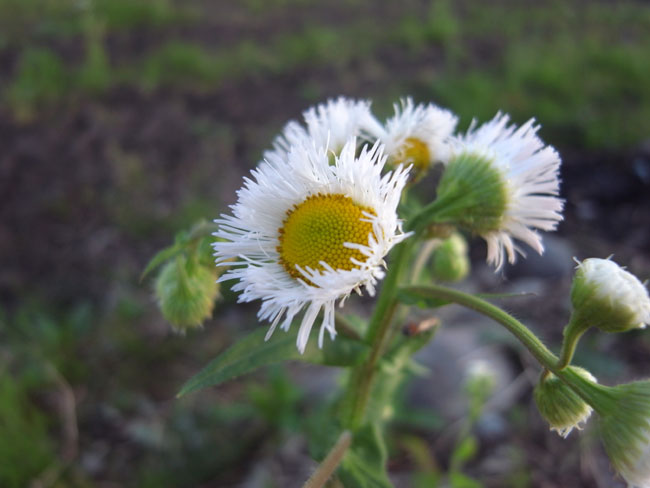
x=320, y=212
x=316, y=219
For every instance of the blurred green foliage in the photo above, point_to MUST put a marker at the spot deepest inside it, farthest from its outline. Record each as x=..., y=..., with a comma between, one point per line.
x=25, y=447
x=582, y=70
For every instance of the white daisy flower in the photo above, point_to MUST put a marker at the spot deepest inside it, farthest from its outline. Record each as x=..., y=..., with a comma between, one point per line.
x=330, y=124
x=502, y=183
x=416, y=134
x=606, y=296
x=305, y=233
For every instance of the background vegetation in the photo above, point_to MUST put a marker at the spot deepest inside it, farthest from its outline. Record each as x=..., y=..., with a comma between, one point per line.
x=123, y=121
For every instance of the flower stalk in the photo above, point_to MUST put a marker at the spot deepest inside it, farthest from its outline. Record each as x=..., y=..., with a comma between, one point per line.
x=361, y=380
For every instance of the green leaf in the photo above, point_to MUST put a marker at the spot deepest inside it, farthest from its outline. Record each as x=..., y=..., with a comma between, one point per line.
x=459, y=480
x=464, y=451
x=253, y=352
x=162, y=256
x=200, y=230
x=364, y=465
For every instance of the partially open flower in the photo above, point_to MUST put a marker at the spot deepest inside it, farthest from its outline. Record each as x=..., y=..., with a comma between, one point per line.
x=501, y=183
x=329, y=125
x=417, y=135
x=305, y=233
x=606, y=296
x=560, y=406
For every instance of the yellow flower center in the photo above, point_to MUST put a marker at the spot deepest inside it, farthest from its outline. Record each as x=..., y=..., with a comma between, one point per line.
x=316, y=229
x=414, y=152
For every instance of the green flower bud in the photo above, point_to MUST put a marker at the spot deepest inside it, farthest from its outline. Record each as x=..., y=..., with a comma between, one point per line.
x=501, y=182
x=606, y=296
x=450, y=261
x=472, y=193
x=560, y=406
x=186, y=292
x=624, y=426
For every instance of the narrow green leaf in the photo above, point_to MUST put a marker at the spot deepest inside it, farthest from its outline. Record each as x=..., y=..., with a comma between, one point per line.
x=253, y=352
x=464, y=451
x=161, y=257
x=364, y=465
x=459, y=480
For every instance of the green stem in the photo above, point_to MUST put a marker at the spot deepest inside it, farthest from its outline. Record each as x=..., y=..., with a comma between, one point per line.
x=519, y=330
x=361, y=379
x=572, y=333
x=331, y=462
x=591, y=393
x=423, y=255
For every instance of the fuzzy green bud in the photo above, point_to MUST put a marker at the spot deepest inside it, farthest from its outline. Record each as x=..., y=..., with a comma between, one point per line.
x=606, y=296
x=186, y=292
x=472, y=193
x=624, y=426
x=450, y=261
x=559, y=405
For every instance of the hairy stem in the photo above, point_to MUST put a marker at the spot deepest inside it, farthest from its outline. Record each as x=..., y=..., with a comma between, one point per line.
x=331, y=462
x=588, y=391
x=519, y=330
x=572, y=333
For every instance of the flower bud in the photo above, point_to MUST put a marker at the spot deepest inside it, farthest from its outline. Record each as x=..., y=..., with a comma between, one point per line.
x=606, y=296
x=450, y=261
x=624, y=425
x=560, y=406
x=186, y=292
x=473, y=193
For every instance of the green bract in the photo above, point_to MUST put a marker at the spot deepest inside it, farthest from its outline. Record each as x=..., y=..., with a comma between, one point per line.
x=472, y=193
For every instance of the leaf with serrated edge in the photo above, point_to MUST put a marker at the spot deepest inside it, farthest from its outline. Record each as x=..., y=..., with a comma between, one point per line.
x=253, y=352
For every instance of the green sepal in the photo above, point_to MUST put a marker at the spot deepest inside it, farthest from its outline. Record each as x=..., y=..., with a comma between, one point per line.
x=364, y=465
x=472, y=193
x=253, y=352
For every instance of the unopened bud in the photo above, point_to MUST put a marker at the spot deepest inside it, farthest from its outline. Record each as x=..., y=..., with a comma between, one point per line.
x=606, y=296
x=450, y=260
x=560, y=406
x=186, y=292
x=473, y=193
